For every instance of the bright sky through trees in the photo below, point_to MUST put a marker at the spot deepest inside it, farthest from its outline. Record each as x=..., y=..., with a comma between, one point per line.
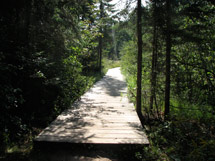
x=120, y=4
x=129, y=4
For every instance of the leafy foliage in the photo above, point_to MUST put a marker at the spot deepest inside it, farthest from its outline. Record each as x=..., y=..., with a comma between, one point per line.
x=47, y=47
x=188, y=133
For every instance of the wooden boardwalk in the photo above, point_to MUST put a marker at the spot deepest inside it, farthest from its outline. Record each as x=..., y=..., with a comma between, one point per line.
x=102, y=116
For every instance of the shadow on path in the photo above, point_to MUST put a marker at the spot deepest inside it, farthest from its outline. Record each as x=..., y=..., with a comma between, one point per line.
x=85, y=152
x=112, y=86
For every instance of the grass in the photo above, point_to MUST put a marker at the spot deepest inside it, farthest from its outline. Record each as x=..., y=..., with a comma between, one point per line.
x=18, y=152
x=108, y=64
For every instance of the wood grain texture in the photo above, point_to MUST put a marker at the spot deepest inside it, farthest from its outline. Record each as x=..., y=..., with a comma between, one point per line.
x=103, y=115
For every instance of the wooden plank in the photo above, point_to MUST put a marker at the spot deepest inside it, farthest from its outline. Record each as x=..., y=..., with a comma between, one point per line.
x=99, y=131
x=88, y=135
x=68, y=139
x=103, y=118
x=96, y=126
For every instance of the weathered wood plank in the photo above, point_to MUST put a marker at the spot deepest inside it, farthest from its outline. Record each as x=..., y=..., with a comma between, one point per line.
x=79, y=139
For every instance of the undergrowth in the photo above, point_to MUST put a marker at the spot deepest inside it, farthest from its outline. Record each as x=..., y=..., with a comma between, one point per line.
x=185, y=137
x=108, y=64
x=22, y=148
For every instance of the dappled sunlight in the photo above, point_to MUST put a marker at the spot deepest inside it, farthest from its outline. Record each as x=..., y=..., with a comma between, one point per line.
x=102, y=115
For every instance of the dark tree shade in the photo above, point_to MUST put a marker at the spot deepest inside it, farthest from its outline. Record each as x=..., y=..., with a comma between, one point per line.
x=139, y=59
x=168, y=52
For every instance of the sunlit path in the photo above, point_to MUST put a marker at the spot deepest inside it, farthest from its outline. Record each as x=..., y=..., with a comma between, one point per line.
x=102, y=116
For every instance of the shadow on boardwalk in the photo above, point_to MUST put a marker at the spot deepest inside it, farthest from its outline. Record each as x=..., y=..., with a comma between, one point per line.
x=85, y=152
x=112, y=86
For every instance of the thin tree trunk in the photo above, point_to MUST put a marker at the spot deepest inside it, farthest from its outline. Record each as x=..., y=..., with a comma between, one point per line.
x=28, y=15
x=154, y=60
x=100, y=54
x=139, y=60
x=154, y=72
x=100, y=38
x=168, y=59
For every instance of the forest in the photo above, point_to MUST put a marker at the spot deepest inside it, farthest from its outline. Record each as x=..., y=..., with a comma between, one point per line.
x=53, y=51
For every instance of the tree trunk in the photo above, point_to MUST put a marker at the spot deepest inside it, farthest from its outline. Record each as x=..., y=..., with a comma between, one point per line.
x=154, y=59
x=168, y=58
x=139, y=60
x=100, y=37
x=100, y=54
